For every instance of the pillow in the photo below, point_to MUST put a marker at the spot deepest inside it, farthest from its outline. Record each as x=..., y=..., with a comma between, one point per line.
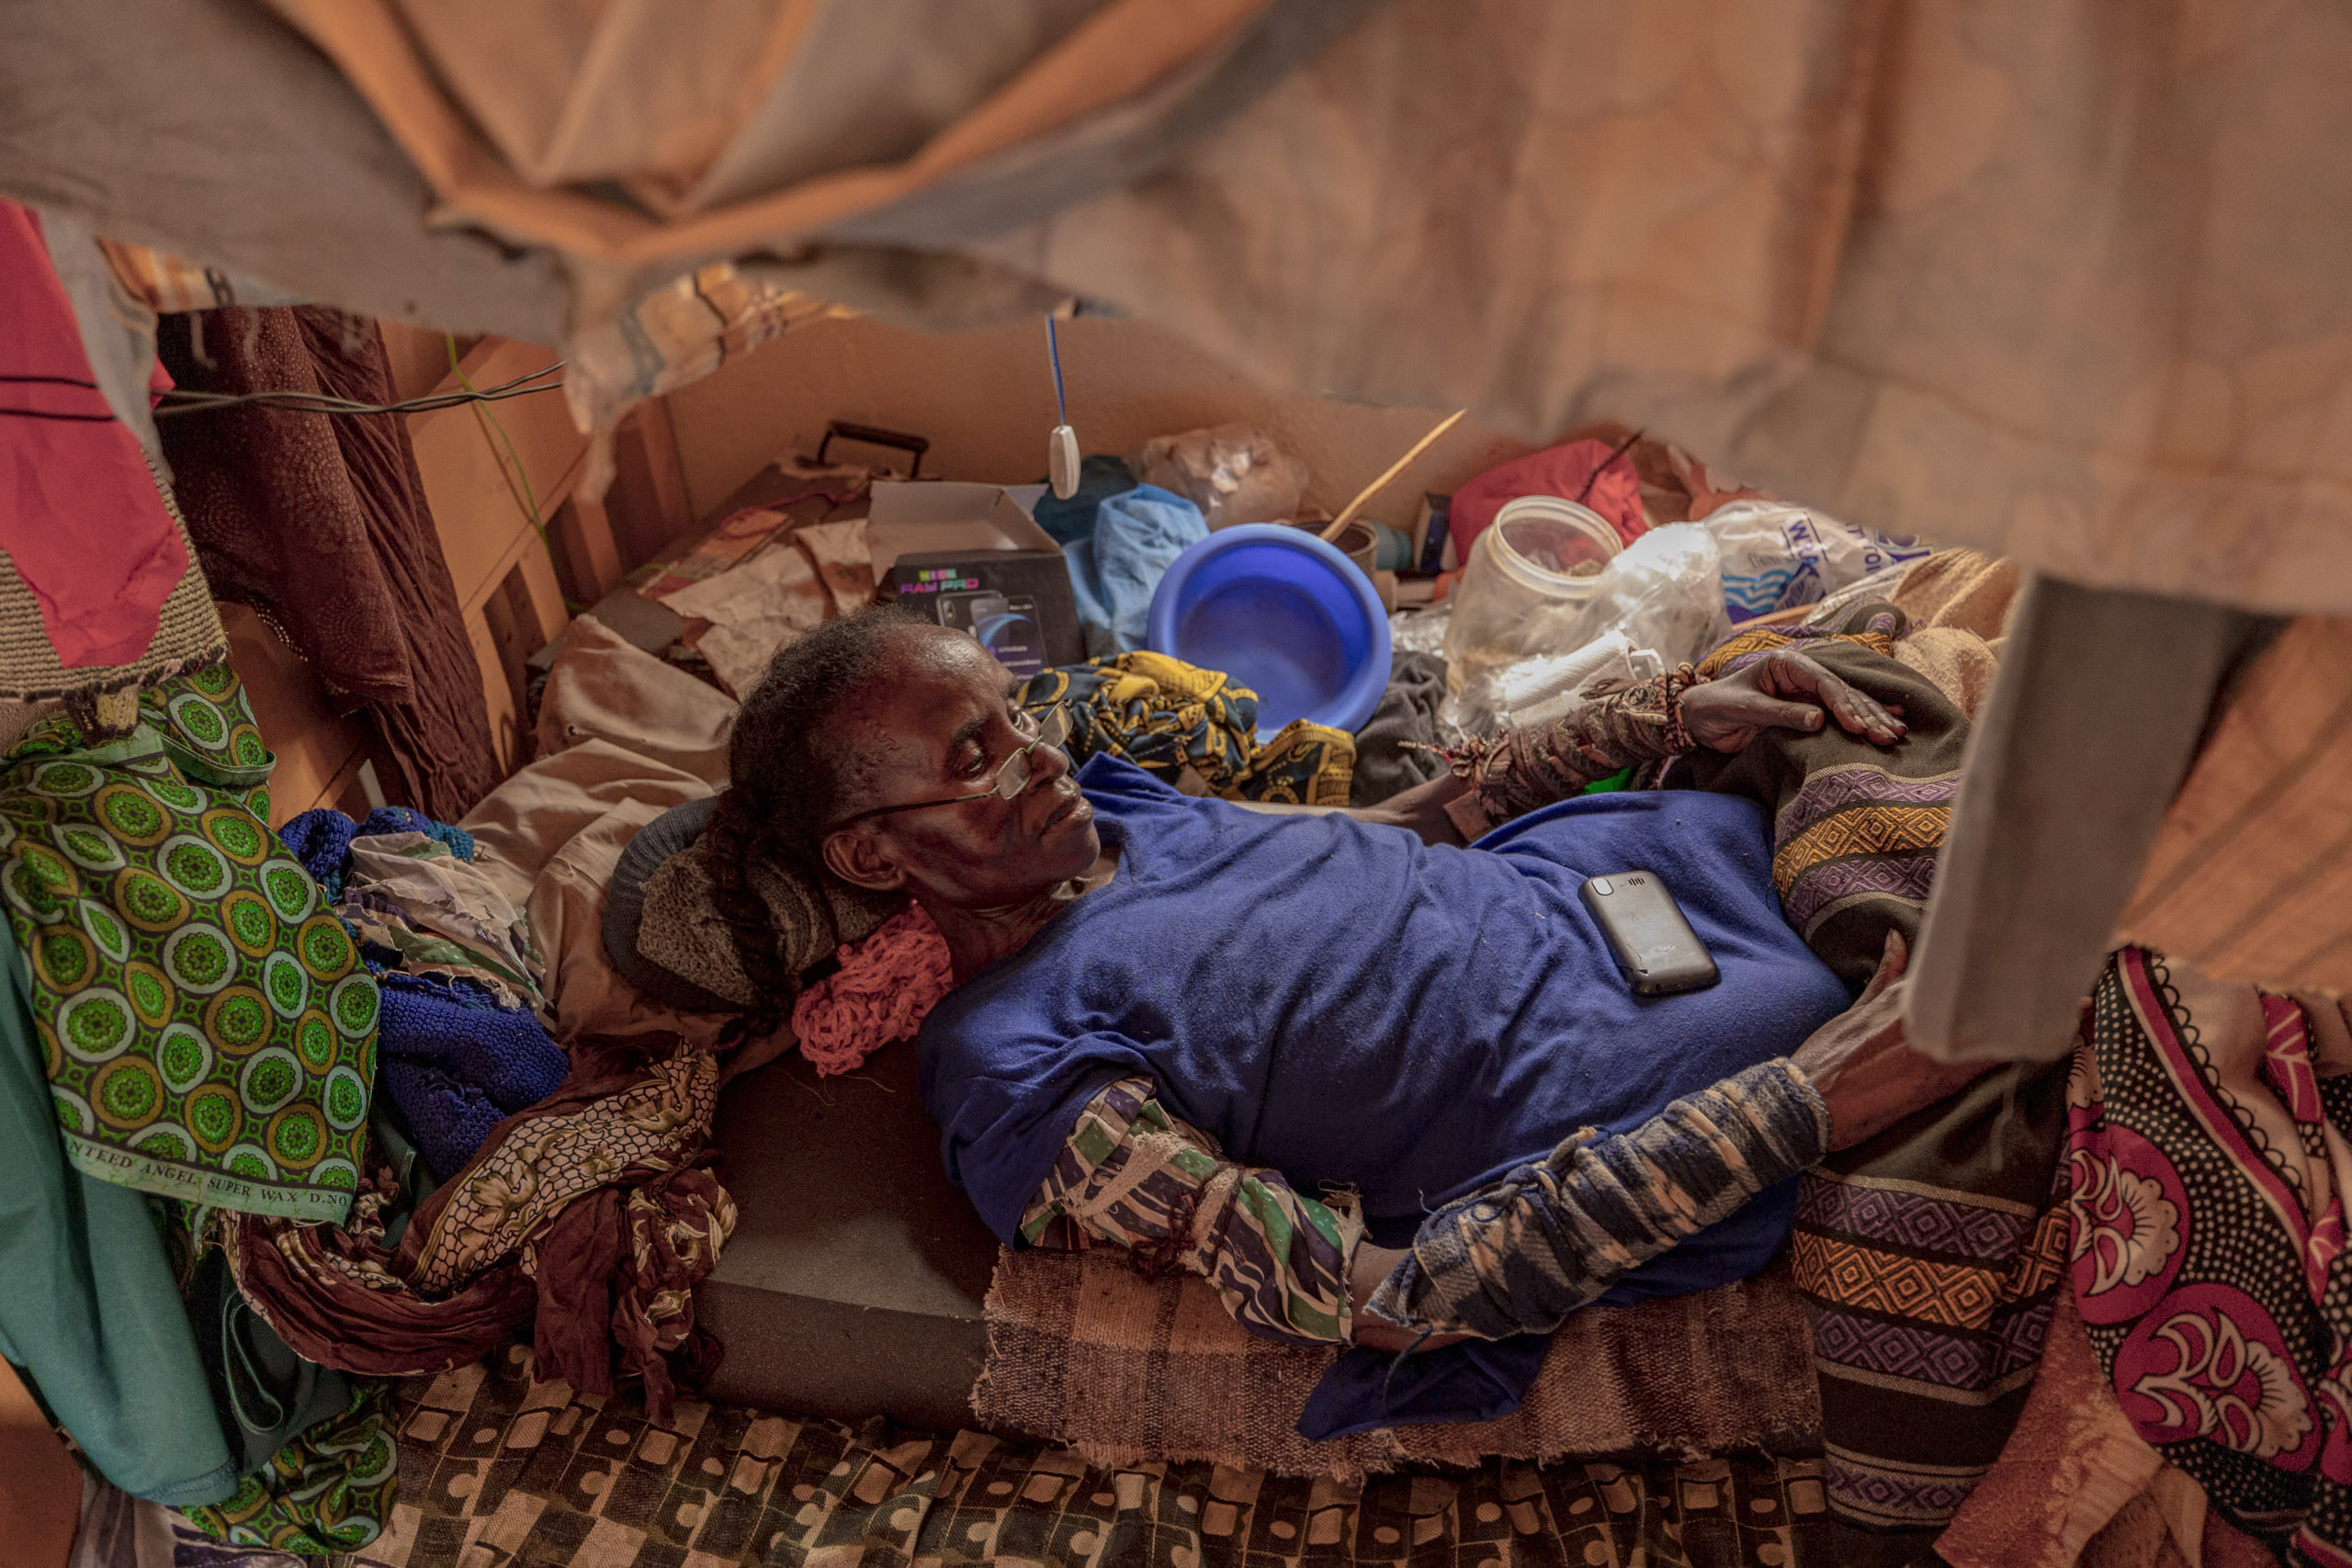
x=673, y=831
x=668, y=937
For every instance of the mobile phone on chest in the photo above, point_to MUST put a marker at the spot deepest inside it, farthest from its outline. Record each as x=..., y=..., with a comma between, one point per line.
x=1654, y=945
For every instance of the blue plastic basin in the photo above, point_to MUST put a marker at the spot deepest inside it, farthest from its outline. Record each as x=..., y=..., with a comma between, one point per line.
x=1284, y=615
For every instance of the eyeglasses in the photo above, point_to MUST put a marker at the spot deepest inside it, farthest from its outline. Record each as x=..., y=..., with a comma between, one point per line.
x=1012, y=774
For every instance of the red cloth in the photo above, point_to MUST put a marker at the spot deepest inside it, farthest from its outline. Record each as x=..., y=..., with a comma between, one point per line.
x=617, y=1271
x=80, y=514
x=321, y=522
x=885, y=988
x=1563, y=471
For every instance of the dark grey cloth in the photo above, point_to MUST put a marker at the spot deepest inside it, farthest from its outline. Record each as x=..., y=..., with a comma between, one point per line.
x=674, y=829
x=1407, y=712
x=2090, y=729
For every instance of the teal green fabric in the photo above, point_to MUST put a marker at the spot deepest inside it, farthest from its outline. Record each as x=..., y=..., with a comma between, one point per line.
x=88, y=1310
x=265, y=1395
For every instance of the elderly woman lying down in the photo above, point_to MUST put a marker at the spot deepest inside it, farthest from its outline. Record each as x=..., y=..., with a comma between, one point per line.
x=1267, y=1047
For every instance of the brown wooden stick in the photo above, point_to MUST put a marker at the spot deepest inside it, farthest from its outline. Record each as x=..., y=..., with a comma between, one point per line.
x=1337, y=526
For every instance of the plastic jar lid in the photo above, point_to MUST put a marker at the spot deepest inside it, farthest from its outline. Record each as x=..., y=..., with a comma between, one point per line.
x=1551, y=545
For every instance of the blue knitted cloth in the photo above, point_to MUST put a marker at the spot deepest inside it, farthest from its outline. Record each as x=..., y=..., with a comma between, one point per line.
x=321, y=840
x=456, y=1062
x=447, y=1119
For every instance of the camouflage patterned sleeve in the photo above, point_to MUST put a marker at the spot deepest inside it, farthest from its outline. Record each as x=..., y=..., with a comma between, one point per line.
x=1522, y=769
x=1133, y=1176
x=1520, y=1255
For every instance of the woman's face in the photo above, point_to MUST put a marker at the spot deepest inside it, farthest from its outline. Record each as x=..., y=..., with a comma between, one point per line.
x=937, y=723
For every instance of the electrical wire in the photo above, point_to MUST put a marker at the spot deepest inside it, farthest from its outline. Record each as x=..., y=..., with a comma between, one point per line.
x=1054, y=353
x=188, y=399
x=60, y=415
x=522, y=476
x=182, y=400
x=489, y=422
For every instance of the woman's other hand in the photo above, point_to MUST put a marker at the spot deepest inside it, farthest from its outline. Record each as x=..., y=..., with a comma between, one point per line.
x=1782, y=690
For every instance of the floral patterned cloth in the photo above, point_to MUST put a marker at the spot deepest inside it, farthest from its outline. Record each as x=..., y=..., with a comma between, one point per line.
x=2208, y=1163
x=591, y=1211
x=208, y=1033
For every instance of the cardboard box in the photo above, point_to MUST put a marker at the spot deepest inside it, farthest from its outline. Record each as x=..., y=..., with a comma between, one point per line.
x=969, y=557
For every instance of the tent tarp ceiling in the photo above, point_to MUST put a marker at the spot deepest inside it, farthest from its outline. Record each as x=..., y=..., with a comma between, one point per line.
x=2061, y=279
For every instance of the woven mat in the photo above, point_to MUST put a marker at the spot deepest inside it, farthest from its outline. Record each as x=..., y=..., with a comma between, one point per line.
x=1083, y=1351
x=500, y=1471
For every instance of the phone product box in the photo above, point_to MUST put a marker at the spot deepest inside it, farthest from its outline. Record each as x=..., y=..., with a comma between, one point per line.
x=969, y=557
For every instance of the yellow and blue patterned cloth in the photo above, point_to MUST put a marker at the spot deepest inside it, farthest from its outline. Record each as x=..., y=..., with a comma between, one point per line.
x=1165, y=715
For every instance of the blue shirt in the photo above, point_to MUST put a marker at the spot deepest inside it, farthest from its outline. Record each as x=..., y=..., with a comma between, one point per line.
x=1339, y=1001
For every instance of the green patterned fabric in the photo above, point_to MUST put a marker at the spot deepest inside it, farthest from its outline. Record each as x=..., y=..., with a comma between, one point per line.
x=207, y=1030
x=329, y=1490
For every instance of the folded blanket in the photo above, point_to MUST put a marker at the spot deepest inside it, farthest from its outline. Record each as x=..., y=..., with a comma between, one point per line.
x=1930, y=1255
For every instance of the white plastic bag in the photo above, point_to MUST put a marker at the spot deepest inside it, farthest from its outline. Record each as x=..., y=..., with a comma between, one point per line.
x=1542, y=687
x=1777, y=556
x=1421, y=631
x=1548, y=685
x=1233, y=473
x=1665, y=593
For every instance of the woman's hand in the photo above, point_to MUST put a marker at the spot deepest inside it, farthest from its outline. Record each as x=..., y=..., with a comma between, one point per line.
x=1783, y=690
x=1421, y=811
x=1368, y=1267
x=1860, y=1064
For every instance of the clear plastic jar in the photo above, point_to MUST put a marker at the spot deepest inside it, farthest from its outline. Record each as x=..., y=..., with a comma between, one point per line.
x=1529, y=569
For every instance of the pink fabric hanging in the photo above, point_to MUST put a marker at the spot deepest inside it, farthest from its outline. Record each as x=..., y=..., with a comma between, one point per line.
x=80, y=514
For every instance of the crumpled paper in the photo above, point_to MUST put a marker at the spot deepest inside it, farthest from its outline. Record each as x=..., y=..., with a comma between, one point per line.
x=752, y=610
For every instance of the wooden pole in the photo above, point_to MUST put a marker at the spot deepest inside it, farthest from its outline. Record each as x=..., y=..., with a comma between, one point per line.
x=1333, y=529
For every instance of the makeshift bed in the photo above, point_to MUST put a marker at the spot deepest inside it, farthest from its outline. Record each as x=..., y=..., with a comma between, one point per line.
x=858, y=1279
x=855, y=1251
x=859, y=1284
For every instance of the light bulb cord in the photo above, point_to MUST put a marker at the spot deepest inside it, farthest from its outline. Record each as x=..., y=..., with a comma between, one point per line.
x=1054, y=353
